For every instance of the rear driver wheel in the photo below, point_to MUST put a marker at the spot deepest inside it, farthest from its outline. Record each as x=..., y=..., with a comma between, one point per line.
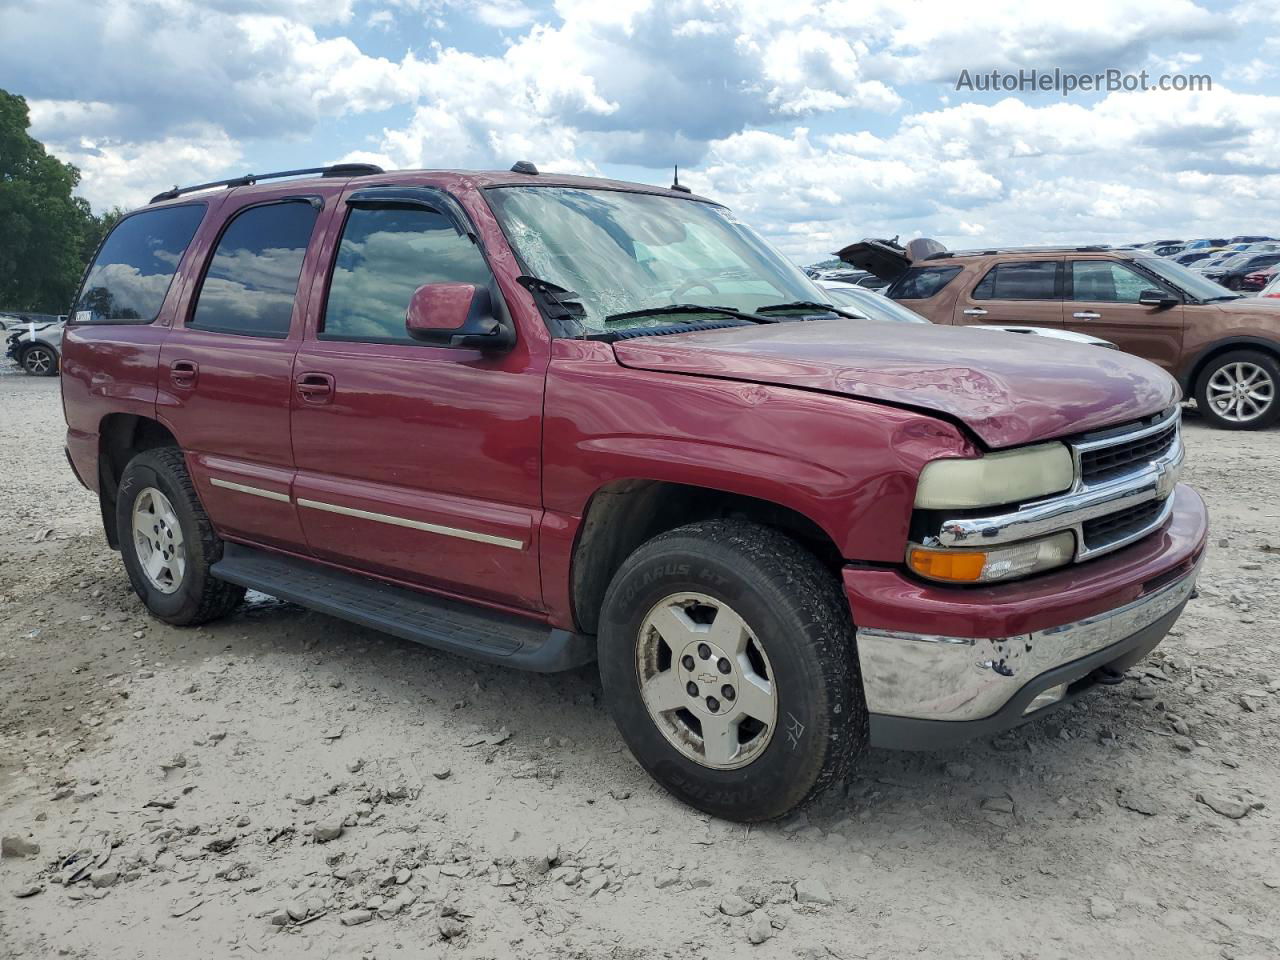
x=727, y=656
x=168, y=543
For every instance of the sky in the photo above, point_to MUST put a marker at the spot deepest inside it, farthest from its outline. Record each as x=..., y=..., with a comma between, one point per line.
x=819, y=123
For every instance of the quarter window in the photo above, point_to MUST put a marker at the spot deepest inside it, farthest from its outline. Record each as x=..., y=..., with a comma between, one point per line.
x=1107, y=281
x=1031, y=280
x=132, y=272
x=386, y=253
x=920, y=283
x=252, y=279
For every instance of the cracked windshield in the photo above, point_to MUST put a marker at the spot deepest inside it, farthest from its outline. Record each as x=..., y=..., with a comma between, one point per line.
x=625, y=254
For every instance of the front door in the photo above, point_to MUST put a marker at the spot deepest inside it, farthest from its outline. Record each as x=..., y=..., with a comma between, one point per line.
x=1025, y=293
x=226, y=368
x=1102, y=300
x=418, y=463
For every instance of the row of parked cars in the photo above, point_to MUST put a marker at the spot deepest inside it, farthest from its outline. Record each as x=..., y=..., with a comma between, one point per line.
x=546, y=420
x=1247, y=263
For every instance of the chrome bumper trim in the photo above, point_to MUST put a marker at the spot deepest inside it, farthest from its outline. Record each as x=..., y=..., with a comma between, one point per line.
x=934, y=677
x=1072, y=510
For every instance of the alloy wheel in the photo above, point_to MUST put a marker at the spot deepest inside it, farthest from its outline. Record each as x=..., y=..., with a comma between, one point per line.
x=706, y=681
x=1241, y=391
x=38, y=360
x=157, y=538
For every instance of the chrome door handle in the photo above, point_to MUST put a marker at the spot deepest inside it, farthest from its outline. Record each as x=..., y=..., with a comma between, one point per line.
x=975, y=312
x=1087, y=315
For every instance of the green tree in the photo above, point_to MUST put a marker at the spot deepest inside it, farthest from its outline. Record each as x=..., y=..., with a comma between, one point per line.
x=44, y=230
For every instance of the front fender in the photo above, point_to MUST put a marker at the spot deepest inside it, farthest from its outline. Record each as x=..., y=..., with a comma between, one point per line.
x=850, y=466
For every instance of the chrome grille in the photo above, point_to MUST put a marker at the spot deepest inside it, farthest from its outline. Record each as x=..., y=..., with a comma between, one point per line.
x=1108, y=462
x=1122, y=492
x=1120, y=526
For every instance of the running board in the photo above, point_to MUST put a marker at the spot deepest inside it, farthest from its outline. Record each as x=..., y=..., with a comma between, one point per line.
x=449, y=625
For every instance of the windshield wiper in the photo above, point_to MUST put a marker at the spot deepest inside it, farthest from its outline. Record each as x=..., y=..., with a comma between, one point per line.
x=685, y=308
x=1229, y=296
x=809, y=305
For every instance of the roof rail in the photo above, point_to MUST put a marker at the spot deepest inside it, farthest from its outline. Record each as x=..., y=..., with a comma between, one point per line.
x=988, y=251
x=335, y=170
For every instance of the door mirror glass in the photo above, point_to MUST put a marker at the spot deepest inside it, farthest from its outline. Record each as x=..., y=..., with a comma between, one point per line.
x=1156, y=298
x=455, y=315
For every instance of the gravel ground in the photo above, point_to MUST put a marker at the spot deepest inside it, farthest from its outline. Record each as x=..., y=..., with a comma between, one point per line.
x=284, y=782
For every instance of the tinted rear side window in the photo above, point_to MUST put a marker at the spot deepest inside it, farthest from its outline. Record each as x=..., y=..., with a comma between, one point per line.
x=920, y=283
x=1033, y=280
x=132, y=272
x=253, y=277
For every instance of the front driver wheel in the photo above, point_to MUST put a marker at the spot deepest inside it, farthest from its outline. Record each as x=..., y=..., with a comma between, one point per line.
x=1238, y=391
x=168, y=543
x=727, y=656
x=39, y=361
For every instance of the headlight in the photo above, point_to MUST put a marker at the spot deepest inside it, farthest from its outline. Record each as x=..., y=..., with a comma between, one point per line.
x=952, y=565
x=997, y=478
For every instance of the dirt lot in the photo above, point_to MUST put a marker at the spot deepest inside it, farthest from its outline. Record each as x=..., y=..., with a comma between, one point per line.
x=485, y=813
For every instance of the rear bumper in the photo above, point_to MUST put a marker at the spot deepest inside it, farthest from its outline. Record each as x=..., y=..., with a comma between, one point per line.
x=940, y=665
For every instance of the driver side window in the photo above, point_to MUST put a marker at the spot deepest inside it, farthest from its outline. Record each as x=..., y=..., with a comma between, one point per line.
x=1107, y=281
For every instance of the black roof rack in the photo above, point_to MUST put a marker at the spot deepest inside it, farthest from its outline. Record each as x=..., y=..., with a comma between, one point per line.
x=336, y=170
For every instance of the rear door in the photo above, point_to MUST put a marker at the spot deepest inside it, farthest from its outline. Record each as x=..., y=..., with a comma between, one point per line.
x=417, y=463
x=1023, y=292
x=1102, y=300
x=226, y=370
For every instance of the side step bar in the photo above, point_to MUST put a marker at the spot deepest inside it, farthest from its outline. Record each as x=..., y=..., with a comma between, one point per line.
x=450, y=625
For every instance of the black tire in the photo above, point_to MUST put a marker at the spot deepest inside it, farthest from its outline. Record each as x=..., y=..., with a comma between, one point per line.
x=200, y=596
x=39, y=361
x=1269, y=368
x=798, y=612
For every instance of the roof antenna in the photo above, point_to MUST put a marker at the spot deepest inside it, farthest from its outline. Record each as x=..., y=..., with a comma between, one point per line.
x=675, y=181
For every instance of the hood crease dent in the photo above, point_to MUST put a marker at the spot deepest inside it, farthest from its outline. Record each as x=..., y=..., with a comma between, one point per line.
x=1007, y=390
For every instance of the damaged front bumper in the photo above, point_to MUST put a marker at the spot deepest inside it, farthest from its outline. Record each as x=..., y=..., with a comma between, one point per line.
x=927, y=690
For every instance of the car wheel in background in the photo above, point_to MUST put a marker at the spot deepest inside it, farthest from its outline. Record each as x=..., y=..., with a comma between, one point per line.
x=1240, y=390
x=39, y=361
x=167, y=541
x=727, y=657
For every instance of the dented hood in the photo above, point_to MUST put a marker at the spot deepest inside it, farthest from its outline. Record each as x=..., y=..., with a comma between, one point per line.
x=1007, y=389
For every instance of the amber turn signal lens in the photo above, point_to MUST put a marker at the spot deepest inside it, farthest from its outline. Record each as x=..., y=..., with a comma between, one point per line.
x=951, y=565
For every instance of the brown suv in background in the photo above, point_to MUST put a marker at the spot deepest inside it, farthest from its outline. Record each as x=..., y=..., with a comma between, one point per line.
x=1224, y=349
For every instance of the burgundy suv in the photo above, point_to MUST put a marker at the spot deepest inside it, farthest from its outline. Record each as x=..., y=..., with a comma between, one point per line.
x=545, y=420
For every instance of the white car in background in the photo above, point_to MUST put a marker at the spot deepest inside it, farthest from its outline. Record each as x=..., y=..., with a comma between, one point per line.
x=36, y=347
x=876, y=306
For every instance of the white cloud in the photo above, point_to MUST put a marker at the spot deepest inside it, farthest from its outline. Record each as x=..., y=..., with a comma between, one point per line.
x=115, y=173
x=821, y=120
x=1130, y=165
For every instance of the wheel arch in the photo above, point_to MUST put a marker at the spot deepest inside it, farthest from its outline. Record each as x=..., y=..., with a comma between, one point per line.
x=26, y=346
x=121, y=436
x=623, y=514
x=1191, y=377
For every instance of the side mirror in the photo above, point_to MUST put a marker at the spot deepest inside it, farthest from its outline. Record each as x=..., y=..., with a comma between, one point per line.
x=456, y=315
x=1155, y=298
